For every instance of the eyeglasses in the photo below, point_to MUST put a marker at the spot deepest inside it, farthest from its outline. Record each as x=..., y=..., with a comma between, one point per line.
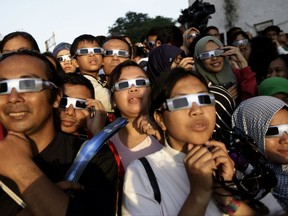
x=64, y=58
x=139, y=82
x=119, y=53
x=277, y=130
x=192, y=36
x=186, y=101
x=25, y=85
x=88, y=51
x=211, y=53
x=151, y=43
x=76, y=103
x=243, y=42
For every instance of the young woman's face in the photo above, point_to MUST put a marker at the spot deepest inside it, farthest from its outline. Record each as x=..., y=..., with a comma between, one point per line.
x=277, y=147
x=133, y=100
x=214, y=64
x=192, y=125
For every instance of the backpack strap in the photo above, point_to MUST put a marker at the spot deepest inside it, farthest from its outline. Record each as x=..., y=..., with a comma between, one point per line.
x=152, y=179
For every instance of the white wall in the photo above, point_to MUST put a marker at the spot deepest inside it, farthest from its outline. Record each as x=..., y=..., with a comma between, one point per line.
x=251, y=12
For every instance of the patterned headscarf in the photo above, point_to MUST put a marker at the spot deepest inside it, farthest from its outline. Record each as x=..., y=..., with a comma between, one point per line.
x=226, y=75
x=253, y=116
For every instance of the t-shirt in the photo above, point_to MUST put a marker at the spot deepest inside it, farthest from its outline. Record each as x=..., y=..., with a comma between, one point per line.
x=148, y=146
x=99, y=178
x=173, y=182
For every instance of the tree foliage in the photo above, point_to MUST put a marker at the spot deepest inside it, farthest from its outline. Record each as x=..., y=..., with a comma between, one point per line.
x=136, y=25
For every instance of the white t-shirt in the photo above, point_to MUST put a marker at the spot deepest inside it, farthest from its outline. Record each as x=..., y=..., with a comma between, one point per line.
x=168, y=166
x=101, y=93
x=148, y=146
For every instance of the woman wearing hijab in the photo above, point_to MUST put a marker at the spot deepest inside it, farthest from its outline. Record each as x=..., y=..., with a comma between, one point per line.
x=188, y=36
x=165, y=57
x=225, y=66
x=265, y=120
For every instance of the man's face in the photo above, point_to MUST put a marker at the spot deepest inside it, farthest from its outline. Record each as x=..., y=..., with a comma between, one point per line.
x=28, y=112
x=74, y=120
x=110, y=62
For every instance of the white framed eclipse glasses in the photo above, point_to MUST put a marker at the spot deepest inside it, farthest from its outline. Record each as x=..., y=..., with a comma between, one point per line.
x=186, y=101
x=77, y=103
x=88, y=51
x=211, y=53
x=277, y=130
x=25, y=85
x=119, y=53
x=243, y=42
x=192, y=36
x=126, y=84
x=64, y=58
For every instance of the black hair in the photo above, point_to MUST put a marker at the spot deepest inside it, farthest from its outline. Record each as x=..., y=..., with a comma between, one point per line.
x=77, y=79
x=85, y=37
x=100, y=39
x=26, y=35
x=121, y=38
x=164, y=85
x=170, y=34
x=48, y=67
x=232, y=37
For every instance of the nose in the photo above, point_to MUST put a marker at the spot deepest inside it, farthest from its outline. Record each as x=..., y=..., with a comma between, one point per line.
x=115, y=56
x=196, y=110
x=15, y=96
x=133, y=88
x=70, y=110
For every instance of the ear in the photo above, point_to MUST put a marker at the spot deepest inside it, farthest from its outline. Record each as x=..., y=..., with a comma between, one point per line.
x=158, y=43
x=159, y=120
x=57, y=101
x=75, y=62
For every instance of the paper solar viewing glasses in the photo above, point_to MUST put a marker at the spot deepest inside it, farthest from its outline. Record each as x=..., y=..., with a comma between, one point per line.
x=125, y=84
x=101, y=51
x=23, y=85
x=186, y=101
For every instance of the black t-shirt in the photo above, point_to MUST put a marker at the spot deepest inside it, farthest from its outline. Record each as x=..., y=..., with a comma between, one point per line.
x=99, y=178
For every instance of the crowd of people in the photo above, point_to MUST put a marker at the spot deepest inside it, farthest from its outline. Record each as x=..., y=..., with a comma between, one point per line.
x=186, y=94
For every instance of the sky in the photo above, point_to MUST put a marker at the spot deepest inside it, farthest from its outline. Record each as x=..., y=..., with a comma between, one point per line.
x=68, y=19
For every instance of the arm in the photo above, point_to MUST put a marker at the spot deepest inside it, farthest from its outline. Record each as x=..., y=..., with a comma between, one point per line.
x=41, y=195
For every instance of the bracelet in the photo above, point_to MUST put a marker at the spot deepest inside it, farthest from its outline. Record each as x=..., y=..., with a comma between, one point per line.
x=231, y=208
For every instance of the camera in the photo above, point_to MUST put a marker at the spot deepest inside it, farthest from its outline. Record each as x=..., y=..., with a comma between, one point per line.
x=196, y=15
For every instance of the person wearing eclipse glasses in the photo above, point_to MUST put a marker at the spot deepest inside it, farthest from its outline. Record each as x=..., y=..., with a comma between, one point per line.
x=79, y=113
x=116, y=50
x=185, y=167
x=225, y=66
x=265, y=120
x=130, y=89
x=62, y=53
x=89, y=56
x=188, y=36
x=35, y=157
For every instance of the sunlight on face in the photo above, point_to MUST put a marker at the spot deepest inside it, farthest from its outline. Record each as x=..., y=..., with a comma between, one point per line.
x=193, y=125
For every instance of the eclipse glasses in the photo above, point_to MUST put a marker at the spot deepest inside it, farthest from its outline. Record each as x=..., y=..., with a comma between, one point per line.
x=64, y=58
x=211, y=53
x=186, y=101
x=138, y=82
x=119, y=53
x=277, y=130
x=88, y=51
x=25, y=85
